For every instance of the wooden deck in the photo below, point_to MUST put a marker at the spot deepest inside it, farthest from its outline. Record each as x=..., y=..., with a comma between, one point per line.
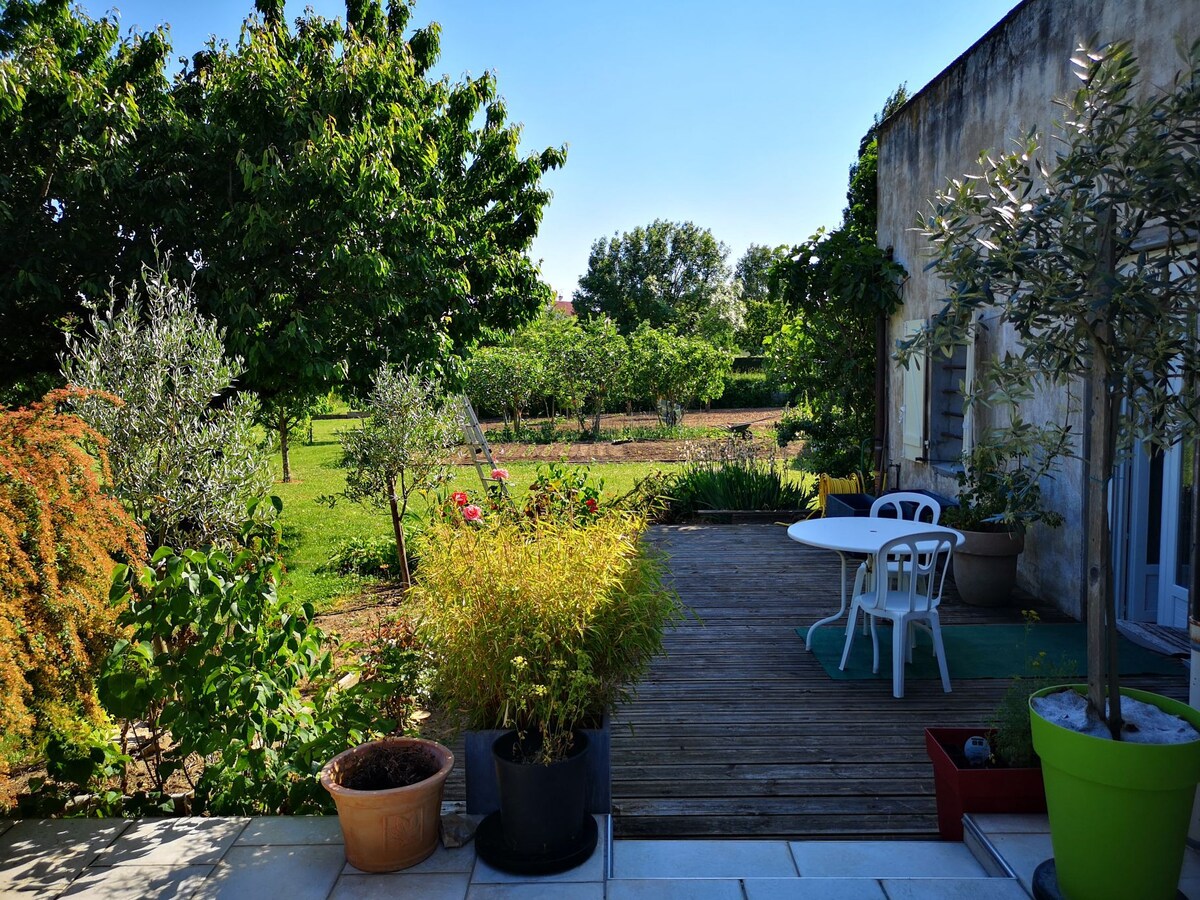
x=738, y=732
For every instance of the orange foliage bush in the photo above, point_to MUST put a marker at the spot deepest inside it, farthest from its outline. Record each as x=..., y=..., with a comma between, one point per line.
x=60, y=537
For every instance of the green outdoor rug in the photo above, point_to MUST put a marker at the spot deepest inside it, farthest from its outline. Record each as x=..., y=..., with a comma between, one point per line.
x=983, y=651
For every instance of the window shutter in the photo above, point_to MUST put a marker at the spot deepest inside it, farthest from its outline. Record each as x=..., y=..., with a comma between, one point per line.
x=912, y=412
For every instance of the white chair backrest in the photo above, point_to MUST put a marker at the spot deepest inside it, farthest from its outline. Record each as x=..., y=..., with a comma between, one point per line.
x=920, y=561
x=896, y=501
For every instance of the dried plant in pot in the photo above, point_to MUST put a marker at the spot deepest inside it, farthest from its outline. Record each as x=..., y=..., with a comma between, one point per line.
x=388, y=795
x=540, y=626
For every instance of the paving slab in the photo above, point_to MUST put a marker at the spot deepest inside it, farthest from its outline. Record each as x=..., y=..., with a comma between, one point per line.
x=814, y=889
x=536, y=891
x=885, y=859
x=291, y=872
x=701, y=859
x=1023, y=853
x=442, y=861
x=402, y=886
x=954, y=889
x=6, y=824
x=143, y=882
x=191, y=841
x=1012, y=823
x=42, y=856
x=291, y=830
x=691, y=889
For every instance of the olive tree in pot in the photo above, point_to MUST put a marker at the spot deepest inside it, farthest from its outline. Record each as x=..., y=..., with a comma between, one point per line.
x=1089, y=256
x=999, y=498
x=540, y=626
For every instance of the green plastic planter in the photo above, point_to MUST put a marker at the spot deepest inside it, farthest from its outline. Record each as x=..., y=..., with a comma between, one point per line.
x=1119, y=812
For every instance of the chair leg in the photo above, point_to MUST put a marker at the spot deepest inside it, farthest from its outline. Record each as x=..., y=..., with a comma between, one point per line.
x=899, y=652
x=874, y=645
x=935, y=629
x=853, y=618
x=860, y=584
x=910, y=640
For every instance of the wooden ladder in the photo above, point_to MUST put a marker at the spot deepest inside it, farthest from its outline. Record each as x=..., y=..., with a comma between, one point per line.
x=480, y=451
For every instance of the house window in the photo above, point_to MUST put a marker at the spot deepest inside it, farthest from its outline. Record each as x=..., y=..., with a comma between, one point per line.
x=935, y=425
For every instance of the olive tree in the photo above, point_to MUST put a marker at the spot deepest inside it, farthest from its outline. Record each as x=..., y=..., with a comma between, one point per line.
x=1088, y=254
x=400, y=447
x=186, y=456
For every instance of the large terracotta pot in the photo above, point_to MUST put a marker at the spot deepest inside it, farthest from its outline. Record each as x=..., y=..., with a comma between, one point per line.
x=985, y=566
x=391, y=829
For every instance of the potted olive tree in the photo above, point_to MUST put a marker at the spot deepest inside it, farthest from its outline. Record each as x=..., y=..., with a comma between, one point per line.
x=1089, y=256
x=540, y=626
x=999, y=498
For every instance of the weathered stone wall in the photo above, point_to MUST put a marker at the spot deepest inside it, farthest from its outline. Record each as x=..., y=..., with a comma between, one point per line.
x=1000, y=88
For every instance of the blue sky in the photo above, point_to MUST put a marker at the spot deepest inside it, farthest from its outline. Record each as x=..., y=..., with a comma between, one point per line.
x=741, y=117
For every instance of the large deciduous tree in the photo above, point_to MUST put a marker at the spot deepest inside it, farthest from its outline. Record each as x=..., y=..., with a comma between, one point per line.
x=351, y=209
x=668, y=273
x=82, y=184
x=763, y=311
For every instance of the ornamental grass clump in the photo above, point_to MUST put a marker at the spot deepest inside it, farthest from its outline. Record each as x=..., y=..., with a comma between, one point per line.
x=540, y=628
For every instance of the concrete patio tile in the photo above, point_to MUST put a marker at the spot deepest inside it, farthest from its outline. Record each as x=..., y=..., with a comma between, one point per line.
x=6, y=824
x=1189, y=878
x=814, y=889
x=690, y=889
x=954, y=889
x=144, y=882
x=1023, y=853
x=402, y=886
x=885, y=859
x=591, y=870
x=536, y=890
x=1011, y=823
x=173, y=842
x=443, y=861
x=291, y=830
x=702, y=859
x=42, y=856
x=294, y=873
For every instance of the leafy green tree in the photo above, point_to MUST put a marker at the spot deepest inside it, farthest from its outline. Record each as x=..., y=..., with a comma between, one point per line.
x=350, y=209
x=504, y=378
x=186, y=456
x=585, y=363
x=540, y=338
x=399, y=449
x=836, y=286
x=668, y=273
x=675, y=370
x=82, y=187
x=763, y=311
x=1088, y=253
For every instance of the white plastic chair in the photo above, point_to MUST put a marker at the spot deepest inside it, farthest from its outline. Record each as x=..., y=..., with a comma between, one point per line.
x=921, y=504
x=911, y=598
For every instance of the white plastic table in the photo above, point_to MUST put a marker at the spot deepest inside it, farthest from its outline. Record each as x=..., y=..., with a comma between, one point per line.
x=856, y=534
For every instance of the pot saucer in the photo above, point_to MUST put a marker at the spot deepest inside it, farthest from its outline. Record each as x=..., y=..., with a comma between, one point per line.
x=1045, y=882
x=494, y=850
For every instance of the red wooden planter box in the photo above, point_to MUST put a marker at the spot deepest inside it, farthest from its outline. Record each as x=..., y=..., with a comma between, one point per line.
x=977, y=790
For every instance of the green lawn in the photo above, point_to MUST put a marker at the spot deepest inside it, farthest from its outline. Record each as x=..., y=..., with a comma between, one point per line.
x=312, y=531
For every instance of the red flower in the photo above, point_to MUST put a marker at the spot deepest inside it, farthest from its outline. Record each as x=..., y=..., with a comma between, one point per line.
x=460, y=498
x=591, y=504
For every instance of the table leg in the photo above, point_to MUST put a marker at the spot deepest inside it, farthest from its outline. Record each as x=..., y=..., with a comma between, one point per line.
x=841, y=610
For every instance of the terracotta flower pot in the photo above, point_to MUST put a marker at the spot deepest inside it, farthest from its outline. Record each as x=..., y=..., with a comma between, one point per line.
x=985, y=566
x=394, y=828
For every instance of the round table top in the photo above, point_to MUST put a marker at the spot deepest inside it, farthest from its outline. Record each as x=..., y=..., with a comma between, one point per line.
x=860, y=534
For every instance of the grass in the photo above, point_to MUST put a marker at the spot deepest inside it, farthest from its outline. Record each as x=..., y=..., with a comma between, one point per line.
x=312, y=531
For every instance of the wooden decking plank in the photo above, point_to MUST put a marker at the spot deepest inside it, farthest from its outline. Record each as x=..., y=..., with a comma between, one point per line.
x=738, y=731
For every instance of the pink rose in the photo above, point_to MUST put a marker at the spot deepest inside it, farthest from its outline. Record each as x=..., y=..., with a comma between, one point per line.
x=500, y=474
x=472, y=513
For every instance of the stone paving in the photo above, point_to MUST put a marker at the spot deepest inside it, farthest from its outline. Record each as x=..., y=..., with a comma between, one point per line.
x=300, y=858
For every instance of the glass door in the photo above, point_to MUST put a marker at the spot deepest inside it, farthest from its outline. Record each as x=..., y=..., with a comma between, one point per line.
x=1175, y=573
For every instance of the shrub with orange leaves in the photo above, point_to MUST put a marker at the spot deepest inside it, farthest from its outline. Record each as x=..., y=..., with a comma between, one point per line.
x=61, y=536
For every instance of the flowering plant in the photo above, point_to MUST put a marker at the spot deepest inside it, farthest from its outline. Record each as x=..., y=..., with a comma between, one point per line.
x=568, y=494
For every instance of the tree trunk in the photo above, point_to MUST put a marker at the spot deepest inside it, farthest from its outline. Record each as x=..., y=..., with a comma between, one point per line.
x=398, y=529
x=283, y=447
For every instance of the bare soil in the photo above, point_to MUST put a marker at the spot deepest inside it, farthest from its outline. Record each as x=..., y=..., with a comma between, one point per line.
x=761, y=422
x=389, y=767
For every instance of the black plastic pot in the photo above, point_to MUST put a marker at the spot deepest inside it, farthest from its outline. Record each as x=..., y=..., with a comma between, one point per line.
x=542, y=825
